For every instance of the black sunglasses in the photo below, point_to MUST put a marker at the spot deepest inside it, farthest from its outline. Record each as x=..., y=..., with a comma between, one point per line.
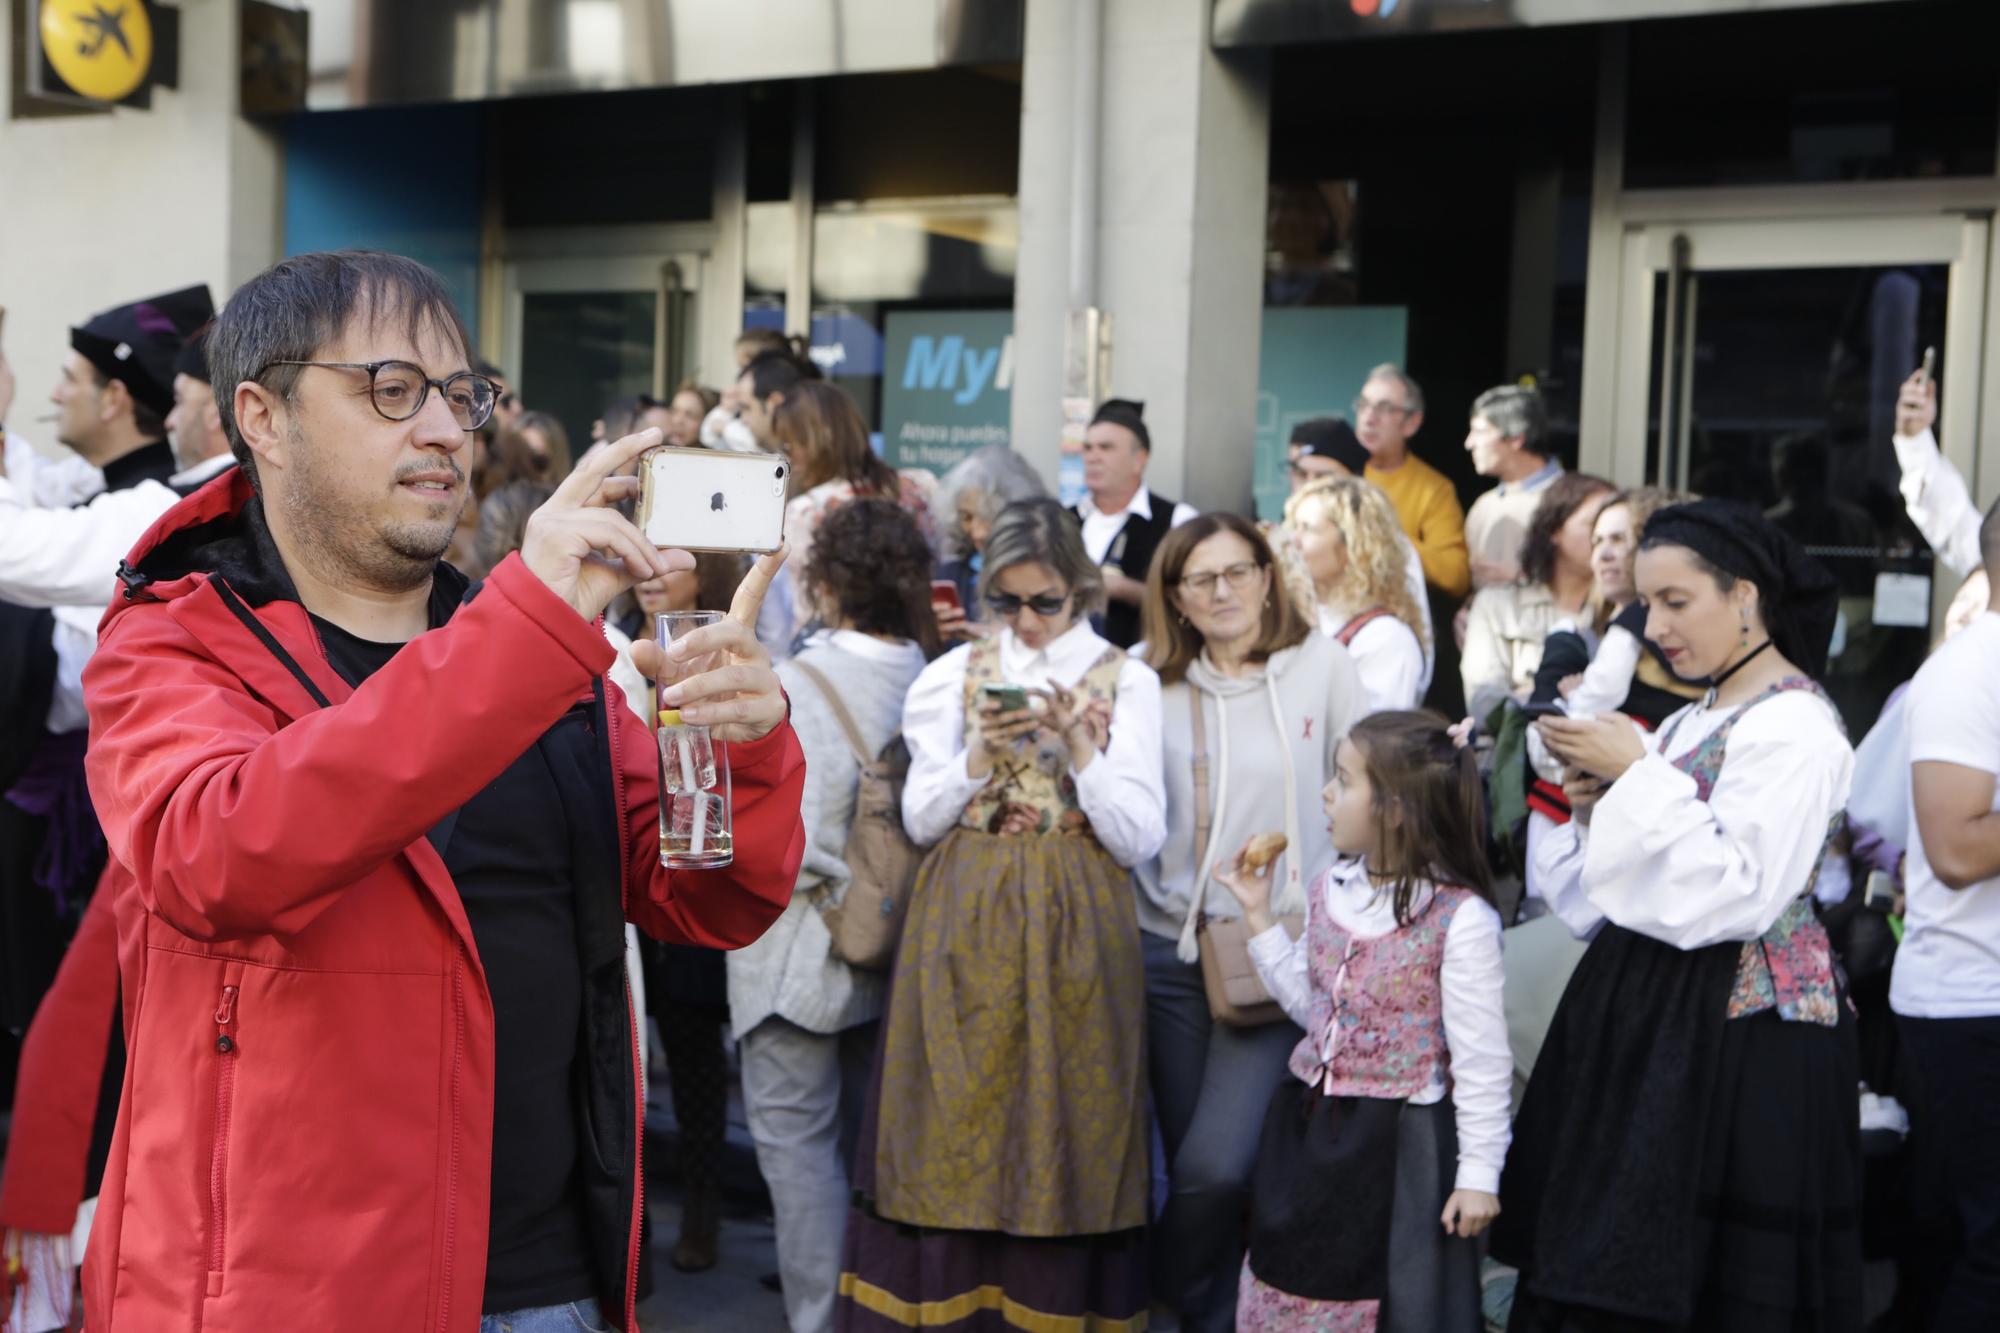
x=1042, y=604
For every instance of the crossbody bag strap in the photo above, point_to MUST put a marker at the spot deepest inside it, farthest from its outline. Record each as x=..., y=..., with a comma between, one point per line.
x=1202, y=813
x=840, y=713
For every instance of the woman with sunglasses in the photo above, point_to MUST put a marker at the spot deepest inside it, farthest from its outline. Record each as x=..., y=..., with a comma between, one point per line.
x=1275, y=698
x=1003, y=1158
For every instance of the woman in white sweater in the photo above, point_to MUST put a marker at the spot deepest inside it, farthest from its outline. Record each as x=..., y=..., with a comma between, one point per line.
x=1275, y=699
x=806, y=1020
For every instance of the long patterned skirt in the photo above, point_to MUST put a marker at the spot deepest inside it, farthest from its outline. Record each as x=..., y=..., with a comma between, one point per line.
x=1003, y=1174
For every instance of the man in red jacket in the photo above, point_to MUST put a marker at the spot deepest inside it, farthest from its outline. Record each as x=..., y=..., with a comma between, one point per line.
x=386, y=830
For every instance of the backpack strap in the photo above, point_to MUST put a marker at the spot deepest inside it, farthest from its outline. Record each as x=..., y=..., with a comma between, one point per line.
x=1355, y=626
x=840, y=713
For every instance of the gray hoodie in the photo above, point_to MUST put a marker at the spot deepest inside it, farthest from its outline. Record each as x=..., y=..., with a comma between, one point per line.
x=1316, y=697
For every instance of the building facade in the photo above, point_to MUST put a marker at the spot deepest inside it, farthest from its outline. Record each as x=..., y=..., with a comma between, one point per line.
x=1717, y=233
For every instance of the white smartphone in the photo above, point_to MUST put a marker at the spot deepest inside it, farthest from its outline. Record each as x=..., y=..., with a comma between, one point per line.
x=709, y=500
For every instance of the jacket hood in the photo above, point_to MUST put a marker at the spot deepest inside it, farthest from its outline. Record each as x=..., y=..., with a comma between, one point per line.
x=1201, y=673
x=220, y=531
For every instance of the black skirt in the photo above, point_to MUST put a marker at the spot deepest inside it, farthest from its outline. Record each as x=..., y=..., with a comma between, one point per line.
x=1344, y=1220
x=1673, y=1168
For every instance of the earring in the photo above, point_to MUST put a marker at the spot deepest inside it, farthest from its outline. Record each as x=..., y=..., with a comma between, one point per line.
x=1746, y=627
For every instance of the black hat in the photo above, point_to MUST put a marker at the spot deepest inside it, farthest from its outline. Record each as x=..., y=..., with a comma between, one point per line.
x=1800, y=598
x=192, y=359
x=1129, y=413
x=1332, y=437
x=136, y=344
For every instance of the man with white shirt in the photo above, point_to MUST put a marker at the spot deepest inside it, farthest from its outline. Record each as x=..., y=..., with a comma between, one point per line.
x=116, y=390
x=1506, y=441
x=1123, y=522
x=1946, y=985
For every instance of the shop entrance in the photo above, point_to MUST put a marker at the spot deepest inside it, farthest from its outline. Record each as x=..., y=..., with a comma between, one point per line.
x=582, y=331
x=1760, y=360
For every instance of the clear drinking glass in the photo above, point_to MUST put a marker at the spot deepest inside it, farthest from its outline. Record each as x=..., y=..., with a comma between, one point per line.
x=694, y=771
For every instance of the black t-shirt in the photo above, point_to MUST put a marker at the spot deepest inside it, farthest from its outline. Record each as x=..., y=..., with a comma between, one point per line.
x=508, y=850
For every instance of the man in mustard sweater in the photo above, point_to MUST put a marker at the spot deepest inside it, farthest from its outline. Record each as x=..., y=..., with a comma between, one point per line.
x=1387, y=414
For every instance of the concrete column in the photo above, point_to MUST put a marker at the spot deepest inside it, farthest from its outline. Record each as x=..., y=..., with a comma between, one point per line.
x=1184, y=151
x=107, y=208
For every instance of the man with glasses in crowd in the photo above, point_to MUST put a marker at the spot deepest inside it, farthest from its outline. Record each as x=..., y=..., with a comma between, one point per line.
x=386, y=830
x=1387, y=416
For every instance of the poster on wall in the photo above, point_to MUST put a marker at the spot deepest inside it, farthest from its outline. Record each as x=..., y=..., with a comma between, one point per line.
x=1313, y=363
x=947, y=385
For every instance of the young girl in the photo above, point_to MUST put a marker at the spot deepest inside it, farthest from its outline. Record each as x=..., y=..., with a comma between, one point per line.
x=1378, y=1167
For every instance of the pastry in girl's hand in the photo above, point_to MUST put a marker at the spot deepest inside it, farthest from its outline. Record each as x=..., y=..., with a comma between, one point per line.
x=1261, y=850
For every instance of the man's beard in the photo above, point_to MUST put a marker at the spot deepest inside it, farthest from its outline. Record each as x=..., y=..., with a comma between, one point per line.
x=342, y=542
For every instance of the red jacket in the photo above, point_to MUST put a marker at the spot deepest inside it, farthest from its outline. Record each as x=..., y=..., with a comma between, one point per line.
x=306, y=1128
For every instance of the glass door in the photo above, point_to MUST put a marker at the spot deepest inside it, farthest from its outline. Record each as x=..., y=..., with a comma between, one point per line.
x=1760, y=361
x=582, y=332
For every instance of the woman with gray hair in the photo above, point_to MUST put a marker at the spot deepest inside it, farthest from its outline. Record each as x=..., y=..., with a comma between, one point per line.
x=968, y=499
x=1003, y=1157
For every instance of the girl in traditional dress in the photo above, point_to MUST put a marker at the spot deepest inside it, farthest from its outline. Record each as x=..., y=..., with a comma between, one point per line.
x=1003, y=1171
x=1381, y=1162
x=1688, y=1152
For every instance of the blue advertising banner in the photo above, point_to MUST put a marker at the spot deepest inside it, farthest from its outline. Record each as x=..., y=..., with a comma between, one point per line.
x=947, y=384
x=1313, y=363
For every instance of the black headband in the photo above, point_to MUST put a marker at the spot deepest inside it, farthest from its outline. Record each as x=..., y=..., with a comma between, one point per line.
x=1331, y=437
x=1800, y=599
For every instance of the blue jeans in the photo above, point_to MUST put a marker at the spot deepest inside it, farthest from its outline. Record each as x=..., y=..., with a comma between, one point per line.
x=582, y=1316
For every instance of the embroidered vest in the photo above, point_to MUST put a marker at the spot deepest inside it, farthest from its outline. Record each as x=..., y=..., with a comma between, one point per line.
x=1790, y=967
x=1033, y=782
x=1377, y=1022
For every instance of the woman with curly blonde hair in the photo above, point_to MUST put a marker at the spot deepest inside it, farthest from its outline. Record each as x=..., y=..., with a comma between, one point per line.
x=1352, y=546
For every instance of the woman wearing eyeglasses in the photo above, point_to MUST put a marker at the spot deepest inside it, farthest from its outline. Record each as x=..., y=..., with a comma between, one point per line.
x=1275, y=697
x=1003, y=1158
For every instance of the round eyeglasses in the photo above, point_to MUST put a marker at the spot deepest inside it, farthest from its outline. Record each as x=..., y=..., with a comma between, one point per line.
x=399, y=390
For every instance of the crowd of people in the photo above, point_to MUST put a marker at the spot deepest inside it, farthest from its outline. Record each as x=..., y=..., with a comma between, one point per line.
x=1230, y=983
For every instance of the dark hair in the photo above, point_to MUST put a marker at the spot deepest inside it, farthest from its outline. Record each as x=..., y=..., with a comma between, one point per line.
x=826, y=439
x=1989, y=542
x=147, y=424
x=778, y=372
x=621, y=415
x=503, y=523
x=762, y=340
x=717, y=574
x=1430, y=806
x=1565, y=495
x=1172, y=643
x=871, y=559
x=293, y=310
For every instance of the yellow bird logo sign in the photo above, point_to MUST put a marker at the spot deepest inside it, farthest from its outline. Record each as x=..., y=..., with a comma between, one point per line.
x=101, y=48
